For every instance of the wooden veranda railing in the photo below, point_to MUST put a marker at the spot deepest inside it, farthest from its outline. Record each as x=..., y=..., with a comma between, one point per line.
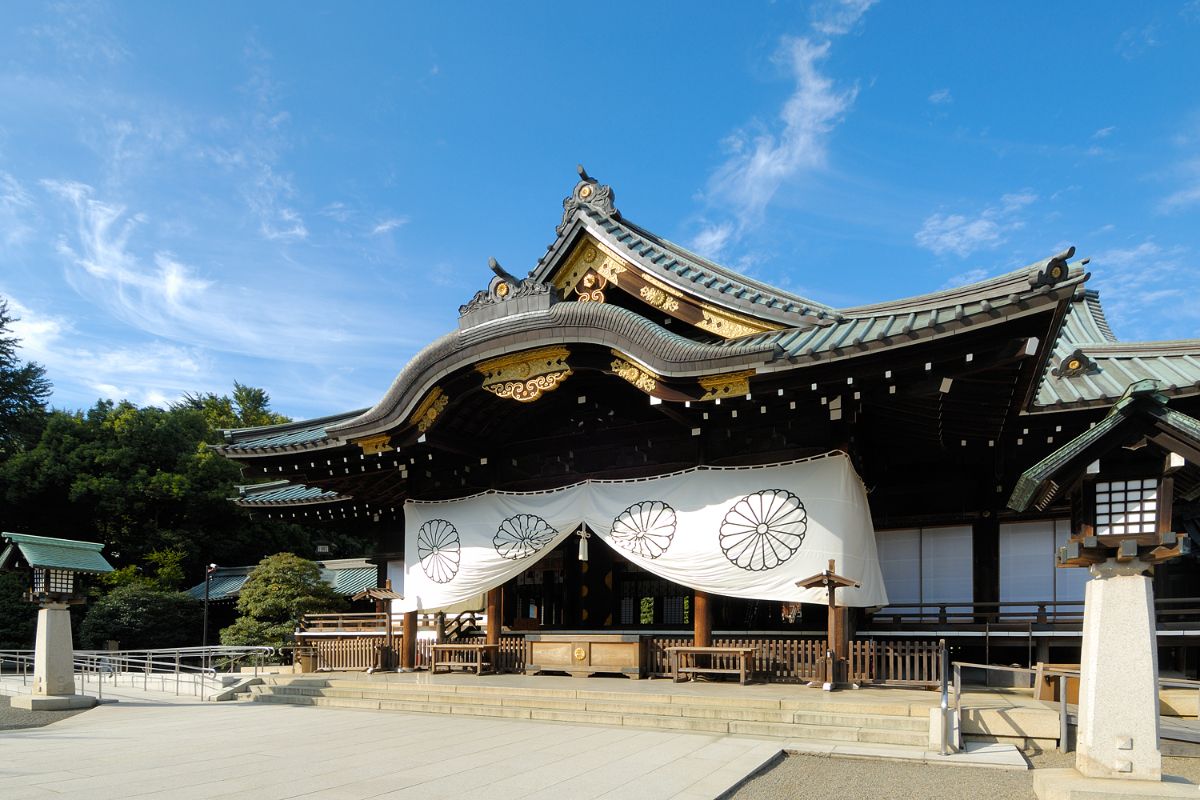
x=1039, y=612
x=343, y=623
x=776, y=659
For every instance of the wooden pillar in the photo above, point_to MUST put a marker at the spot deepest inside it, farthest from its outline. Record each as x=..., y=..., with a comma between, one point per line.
x=494, y=621
x=702, y=620
x=408, y=642
x=985, y=556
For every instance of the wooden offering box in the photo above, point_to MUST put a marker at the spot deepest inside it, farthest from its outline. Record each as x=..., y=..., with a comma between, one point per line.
x=583, y=654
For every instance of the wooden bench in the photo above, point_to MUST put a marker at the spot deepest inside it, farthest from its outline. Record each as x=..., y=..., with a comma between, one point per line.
x=683, y=661
x=444, y=655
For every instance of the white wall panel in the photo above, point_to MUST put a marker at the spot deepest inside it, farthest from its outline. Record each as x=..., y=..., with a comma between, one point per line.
x=900, y=562
x=947, y=568
x=1027, y=561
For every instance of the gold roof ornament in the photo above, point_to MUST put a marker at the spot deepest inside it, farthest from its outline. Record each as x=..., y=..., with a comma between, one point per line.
x=371, y=445
x=427, y=412
x=731, y=384
x=527, y=375
x=643, y=379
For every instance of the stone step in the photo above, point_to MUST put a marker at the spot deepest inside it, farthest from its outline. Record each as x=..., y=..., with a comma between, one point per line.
x=605, y=703
x=817, y=704
x=884, y=722
x=852, y=728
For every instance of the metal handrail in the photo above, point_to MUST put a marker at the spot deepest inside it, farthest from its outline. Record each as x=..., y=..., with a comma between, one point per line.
x=1062, y=674
x=945, y=701
x=97, y=665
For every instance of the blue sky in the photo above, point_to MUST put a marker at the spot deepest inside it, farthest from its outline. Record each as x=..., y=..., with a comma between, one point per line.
x=299, y=196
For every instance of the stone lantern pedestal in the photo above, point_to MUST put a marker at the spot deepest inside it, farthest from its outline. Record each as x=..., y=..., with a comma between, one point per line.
x=1117, y=753
x=53, y=665
x=1118, y=687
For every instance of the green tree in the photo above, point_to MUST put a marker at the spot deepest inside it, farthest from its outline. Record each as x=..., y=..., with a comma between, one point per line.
x=23, y=391
x=277, y=593
x=143, y=481
x=142, y=617
x=247, y=408
x=18, y=617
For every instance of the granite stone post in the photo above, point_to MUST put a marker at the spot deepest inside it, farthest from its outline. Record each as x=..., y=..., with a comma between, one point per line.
x=1118, y=692
x=53, y=664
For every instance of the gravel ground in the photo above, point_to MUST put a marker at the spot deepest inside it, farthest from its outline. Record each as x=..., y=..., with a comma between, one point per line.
x=863, y=779
x=13, y=718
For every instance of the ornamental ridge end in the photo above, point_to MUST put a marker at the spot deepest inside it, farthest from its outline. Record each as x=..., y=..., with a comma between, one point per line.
x=1055, y=271
x=591, y=193
x=502, y=288
x=1074, y=365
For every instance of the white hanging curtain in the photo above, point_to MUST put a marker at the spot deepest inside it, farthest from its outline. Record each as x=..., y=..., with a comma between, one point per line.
x=749, y=532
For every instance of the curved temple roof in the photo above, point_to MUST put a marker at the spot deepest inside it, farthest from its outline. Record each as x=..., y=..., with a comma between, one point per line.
x=1089, y=367
x=1085, y=365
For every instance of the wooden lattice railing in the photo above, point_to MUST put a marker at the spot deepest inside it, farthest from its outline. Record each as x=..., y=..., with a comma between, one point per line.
x=776, y=659
x=360, y=652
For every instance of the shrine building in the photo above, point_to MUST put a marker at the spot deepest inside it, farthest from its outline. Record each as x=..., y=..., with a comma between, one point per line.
x=634, y=440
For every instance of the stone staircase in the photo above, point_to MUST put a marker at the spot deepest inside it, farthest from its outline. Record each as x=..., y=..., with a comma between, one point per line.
x=802, y=718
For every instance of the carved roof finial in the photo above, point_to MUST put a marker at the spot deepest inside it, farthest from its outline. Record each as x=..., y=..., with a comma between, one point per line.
x=502, y=272
x=588, y=192
x=1056, y=269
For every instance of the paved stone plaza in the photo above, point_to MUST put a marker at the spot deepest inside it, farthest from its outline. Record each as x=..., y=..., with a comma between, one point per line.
x=193, y=751
x=152, y=744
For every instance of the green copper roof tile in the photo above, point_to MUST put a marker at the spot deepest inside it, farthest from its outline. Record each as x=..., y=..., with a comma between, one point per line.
x=52, y=553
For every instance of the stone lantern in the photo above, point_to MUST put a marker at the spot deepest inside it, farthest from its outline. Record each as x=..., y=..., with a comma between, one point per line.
x=1119, y=478
x=54, y=568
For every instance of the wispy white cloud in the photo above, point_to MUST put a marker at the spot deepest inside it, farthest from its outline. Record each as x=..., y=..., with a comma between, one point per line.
x=16, y=209
x=338, y=212
x=762, y=157
x=962, y=235
x=158, y=293
x=941, y=97
x=152, y=373
x=256, y=153
x=838, y=17
x=1135, y=41
x=1188, y=194
x=712, y=238
x=267, y=193
x=389, y=224
x=1137, y=281
x=79, y=34
x=963, y=278
x=1104, y=133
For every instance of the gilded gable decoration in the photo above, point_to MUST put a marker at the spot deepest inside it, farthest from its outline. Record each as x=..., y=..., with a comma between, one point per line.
x=591, y=288
x=726, y=325
x=589, y=258
x=371, y=445
x=525, y=376
x=640, y=377
x=429, y=409
x=659, y=299
x=731, y=384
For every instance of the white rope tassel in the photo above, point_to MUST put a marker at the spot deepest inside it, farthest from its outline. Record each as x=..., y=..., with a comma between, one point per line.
x=583, y=540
